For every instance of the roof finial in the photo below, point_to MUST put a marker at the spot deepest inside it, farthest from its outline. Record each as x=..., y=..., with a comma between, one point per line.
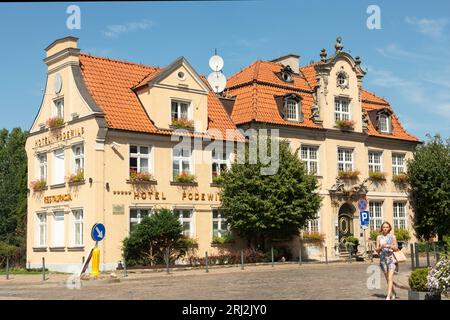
x=323, y=55
x=215, y=51
x=338, y=44
x=357, y=60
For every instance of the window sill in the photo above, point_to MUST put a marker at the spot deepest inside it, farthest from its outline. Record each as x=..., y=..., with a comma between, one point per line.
x=76, y=248
x=58, y=249
x=40, y=189
x=56, y=186
x=40, y=249
x=190, y=129
x=76, y=183
x=143, y=182
x=345, y=128
x=57, y=127
x=182, y=184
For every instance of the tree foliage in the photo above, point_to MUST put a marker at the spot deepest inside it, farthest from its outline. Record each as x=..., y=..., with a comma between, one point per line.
x=261, y=207
x=429, y=179
x=13, y=187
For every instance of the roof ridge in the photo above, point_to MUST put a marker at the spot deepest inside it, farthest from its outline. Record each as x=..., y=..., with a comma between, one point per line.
x=118, y=61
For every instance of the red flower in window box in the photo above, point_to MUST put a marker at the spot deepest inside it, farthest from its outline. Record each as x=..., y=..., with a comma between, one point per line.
x=38, y=184
x=54, y=122
x=185, y=177
x=345, y=124
x=140, y=176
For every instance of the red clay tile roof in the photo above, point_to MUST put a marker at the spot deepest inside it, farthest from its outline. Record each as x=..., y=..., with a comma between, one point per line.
x=256, y=86
x=110, y=84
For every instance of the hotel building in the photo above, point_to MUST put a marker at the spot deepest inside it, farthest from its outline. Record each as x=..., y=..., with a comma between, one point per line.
x=104, y=148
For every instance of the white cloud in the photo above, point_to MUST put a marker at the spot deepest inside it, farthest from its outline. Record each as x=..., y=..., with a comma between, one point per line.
x=429, y=27
x=393, y=51
x=386, y=78
x=115, y=30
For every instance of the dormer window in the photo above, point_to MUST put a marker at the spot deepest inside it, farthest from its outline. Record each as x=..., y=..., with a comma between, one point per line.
x=180, y=110
x=286, y=74
x=342, y=109
x=384, y=121
x=291, y=107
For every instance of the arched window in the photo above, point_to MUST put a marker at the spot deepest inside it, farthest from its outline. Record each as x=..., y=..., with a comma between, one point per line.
x=383, y=123
x=292, y=112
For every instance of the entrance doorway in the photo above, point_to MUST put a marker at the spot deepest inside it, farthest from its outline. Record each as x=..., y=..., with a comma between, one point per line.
x=345, y=223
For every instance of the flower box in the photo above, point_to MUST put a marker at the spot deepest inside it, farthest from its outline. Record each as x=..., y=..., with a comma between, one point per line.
x=141, y=177
x=313, y=237
x=182, y=124
x=400, y=178
x=217, y=180
x=76, y=178
x=345, y=124
x=185, y=177
x=54, y=122
x=38, y=185
x=349, y=175
x=377, y=176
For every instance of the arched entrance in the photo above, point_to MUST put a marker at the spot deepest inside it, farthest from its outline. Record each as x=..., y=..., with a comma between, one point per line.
x=345, y=223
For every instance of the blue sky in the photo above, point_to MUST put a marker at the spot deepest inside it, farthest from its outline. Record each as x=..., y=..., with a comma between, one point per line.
x=408, y=59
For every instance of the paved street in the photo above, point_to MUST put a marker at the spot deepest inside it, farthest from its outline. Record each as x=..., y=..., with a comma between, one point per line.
x=287, y=281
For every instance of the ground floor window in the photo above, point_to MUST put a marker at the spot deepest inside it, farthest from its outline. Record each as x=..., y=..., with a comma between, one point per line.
x=375, y=215
x=77, y=227
x=185, y=217
x=41, y=229
x=220, y=225
x=58, y=229
x=399, y=215
x=136, y=216
x=313, y=225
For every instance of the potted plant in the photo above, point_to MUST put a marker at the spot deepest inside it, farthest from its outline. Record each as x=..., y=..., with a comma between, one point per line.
x=217, y=179
x=348, y=174
x=438, y=279
x=400, y=179
x=345, y=124
x=418, y=284
x=402, y=236
x=377, y=176
x=54, y=122
x=183, y=123
x=77, y=177
x=185, y=177
x=374, y=234
x=354, y=243
x=140, y=176
x=38, y=185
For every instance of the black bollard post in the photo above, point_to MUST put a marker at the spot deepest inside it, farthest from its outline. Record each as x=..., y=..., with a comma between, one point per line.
x=271, y=251
x=242, y=260
x=300, y=256
x=428, y=254
x=167, y=261
x=351, y=252
x=326, y=255
x=125, y=272
x=7, y=268
x=416, y=247
x=412, y=256
x=206, y=261
x=43, y=269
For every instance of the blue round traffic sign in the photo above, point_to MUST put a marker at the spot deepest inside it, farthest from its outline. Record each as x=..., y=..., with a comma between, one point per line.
x=98, y=232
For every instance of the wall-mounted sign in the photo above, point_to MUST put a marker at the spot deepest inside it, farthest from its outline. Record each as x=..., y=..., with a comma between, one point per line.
x=58, y=198
x=118, y=209
x=59, y=136
x=156, y=195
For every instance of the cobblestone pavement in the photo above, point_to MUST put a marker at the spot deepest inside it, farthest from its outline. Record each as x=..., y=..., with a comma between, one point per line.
x=287, y=282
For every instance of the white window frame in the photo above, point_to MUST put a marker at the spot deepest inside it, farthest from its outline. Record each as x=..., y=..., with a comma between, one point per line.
x=191, y=220
x=308, y=160
x=179, y=102
x=55, y=168
x=180, y=159
x=375, y=221
x=396, y=167
x=387, y=123
x=41, y=240
x=374, y=166
x=78, y=222
x=79, y=157
x=313, y=224
x=58, y=110
x=218, y=160
x=139, y=217
x=345, y=162
x=42, y=165
x=140, y=156
x=220, y=221
x=287, y=102
x=339, y=113
x=396, y=215
x=55, y=230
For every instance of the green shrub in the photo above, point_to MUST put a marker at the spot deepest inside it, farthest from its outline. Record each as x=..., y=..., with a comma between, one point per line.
x=353, y=240
x=402, y=234
x=418, y=280
x=374, y=234
x=225, y=238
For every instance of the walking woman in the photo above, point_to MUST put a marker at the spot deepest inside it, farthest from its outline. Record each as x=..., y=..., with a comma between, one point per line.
x=386, y=245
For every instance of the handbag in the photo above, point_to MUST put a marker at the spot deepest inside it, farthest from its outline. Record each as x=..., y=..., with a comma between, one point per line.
x=399, y=256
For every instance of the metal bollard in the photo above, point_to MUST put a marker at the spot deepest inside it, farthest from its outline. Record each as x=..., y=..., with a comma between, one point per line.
x=412, y=256
x=416, y=246
x=428, y=254
x=242, y=260
x=7, y=268
x=350, y=252
x=206, y=261
x=271, y=251
x=125, y=272
x=326, y=255
x=167, y=261
x=43, y=269
x=300, y=256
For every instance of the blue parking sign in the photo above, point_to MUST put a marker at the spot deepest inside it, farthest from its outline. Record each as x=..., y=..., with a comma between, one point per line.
x=364, y=218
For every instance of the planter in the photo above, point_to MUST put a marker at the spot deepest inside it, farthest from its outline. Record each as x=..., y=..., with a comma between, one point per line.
x=421, y=295
x=76, y=183
x=142, y=182
x=184, y=184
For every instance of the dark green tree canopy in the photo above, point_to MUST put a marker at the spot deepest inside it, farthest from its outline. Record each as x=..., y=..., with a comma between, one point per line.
x=429, y=179
x=269, y=206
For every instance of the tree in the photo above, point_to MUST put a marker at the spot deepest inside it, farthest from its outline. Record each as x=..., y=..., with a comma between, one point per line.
x=13, y=187
x=429, y=180
x=264, y=207
x=152, y=237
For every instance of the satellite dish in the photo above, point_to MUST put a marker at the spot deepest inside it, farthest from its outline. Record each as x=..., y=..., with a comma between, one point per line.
x=57, y=83
x=216, y=63
x=217, y=81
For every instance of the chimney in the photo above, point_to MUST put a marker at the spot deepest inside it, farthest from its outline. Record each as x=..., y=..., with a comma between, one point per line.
x=291, y=60
x=62, y=50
